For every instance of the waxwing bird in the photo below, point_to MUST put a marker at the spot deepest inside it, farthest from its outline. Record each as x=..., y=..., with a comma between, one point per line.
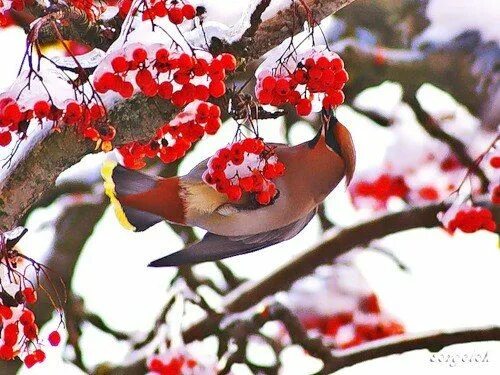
x=313, y=170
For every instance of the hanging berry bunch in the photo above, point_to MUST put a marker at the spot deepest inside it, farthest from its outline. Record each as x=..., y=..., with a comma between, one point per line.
x=19, y=331
x=176, y=11
x=468, y=219
x=88, y=119
x=92, y=9
x=155, y=70
x=176, y=137
x=188, y=359
x=379, y=190
x=314, y=76
x=5, y=7
x=247, y=166
x=341, y=306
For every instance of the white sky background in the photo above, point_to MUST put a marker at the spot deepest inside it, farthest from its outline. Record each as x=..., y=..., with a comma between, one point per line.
x=452, y=284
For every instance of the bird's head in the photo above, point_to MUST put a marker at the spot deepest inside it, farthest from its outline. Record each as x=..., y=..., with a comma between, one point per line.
x=336, y=138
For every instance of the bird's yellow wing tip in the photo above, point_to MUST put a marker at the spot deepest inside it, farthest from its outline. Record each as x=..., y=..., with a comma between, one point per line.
x=109, y=188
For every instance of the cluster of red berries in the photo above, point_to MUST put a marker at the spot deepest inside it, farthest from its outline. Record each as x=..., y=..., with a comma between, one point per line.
x=173, y=365
x=89, y=120
x=321, y=74
x=177, y=77
x=5, y=6
x=175, y=138
x=246, y=166
x=471, y=219
x=19, y=329
x=91, y=9
x=175, y=12
x=380, y=189
x=360, y=331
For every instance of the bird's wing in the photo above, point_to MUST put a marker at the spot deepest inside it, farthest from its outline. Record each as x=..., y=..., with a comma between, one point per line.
x=214, y=247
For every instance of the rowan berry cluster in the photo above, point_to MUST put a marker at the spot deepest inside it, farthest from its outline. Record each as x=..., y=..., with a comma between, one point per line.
x=176, y=137
x=176, y=12
x=156, y=71
x=319, y=75
x=182, y=360
x=174, y=365
x=91, y=9
x=5, y=6
x=364, y=323
x=89, y=120
x=380, y=189
x=247, y=166
x=470, y=219
x=19, y=332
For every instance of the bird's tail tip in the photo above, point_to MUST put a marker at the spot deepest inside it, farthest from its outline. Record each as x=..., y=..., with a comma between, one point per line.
x=107, y=170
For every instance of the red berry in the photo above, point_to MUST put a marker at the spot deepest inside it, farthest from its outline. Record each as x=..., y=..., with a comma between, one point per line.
x=30, y=295
x=126, y=90
x=268, y=83
x=303, y=107
x=495, y=162
x=30, y=331
x=159, y=9
x=336, y=97
x=228, y=61
x=188, y=11
x=73, y=112
x=265, y=97
x=428, y=193
x=143, y=78
x=175, y=15
x=139, y=55
x=217, y=89
x=341, y=76
x=30, y=360
x=27, y=318
x=282, y=86
x=234, y=192
x=337, y=64
x=12, y=114
x=5, y=138
x=263, y=197
x=213, y=125
x=5, y=312
x=162, y=54
x=39, y=355
x=6, y=352
x=165, y=90
x=119, y=64
x=41, y=109
x=246, y=183
x=156, y=365
x=268, y=171
x=10, y=334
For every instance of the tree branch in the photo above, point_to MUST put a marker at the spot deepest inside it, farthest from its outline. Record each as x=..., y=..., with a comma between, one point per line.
x=397, y=345
x=251, y=293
